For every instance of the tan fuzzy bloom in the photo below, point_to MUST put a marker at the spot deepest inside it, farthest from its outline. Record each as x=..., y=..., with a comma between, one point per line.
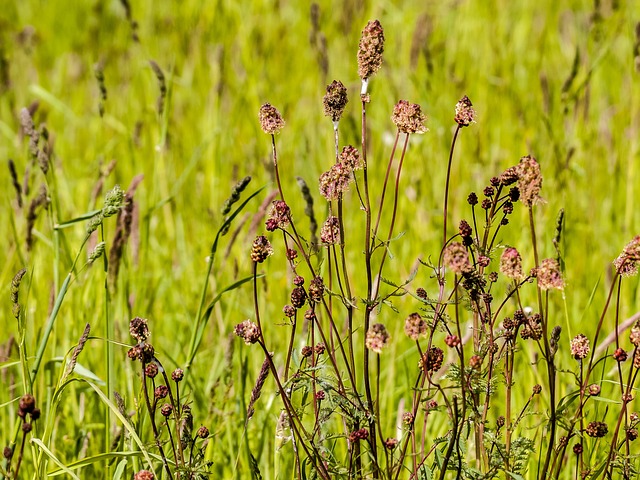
x=511, y=264
x=271, y=121
x=529, y=180
x=335, y=100
x=456, y=258
x=370, y=49
x=350, y=157
x=628, y=261
x=330, y=231
x=408, y=117
x=248, y=331
x=549, y=275
x=465, y=114
x=415, y=326
x=377, y=338
x=580, y=347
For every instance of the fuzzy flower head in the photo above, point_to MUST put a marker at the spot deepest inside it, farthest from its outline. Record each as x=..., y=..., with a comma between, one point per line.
x=350, y=158
x=279, y=215
x=511, y=264
x=330, y=231
x=549, y=275
x=415, y=326
x=377, y=338
x=408, y=117
x=261, y=249
x=628, y=261
x=271, y=121
x=529, y=181
x=580, y=347
x=370, y=49
x=143, y=475
x=335, y=100
x=465, y=114
x=456, y=258
x=248, y=331
x=335, y=181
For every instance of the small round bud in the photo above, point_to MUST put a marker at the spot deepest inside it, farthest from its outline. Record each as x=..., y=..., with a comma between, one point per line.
x=177, y=375
x=594, y=390
x=203, y=432
x=537, y=389
x=166, y=409
x=151, y=370
x=161, y=392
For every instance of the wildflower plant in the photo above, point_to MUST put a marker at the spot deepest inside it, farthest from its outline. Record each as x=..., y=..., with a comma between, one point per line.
x=470, y=327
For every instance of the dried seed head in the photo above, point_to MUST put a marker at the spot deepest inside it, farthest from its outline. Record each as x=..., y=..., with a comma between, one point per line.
x=577, y=449
x=139, y=329
x=298, y=297
x=531, y=327
x=161, y=391
x=26, y=405
x=335, y=100
x=390, y=443
x=248, y=331
x=549, y=275
x=511, y=264
x=279, y=215
x=203, y=432
x=151, y=370
x=509, y=176
x=415, y=326
x=465, y=229
x=177, y=375
x=377, y=338
x=358, y=435
x=289, y=311
x=580, y=347
x=261, y=249
x=456, y=258
x=529, y=180
x=330, y=231
x=370, y=49
x=465, y=114
x=632, y=434
x=597, y=429
x=166, y=409
x=408, y=117
x=537, y=389
x=620, y=355
x=316, y=289
x=628, y=261
x=431, y=360
x=271, y=121
x=475, y=362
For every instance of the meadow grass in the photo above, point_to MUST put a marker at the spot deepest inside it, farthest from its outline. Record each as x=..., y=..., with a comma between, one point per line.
x=555, y=80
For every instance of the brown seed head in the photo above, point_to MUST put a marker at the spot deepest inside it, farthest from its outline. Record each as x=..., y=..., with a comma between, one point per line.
x=350, y=158
x=408, y=117
x=271, y=121
x=597, y=429
x=465, y=114
x=177, y=375
x=203, y=432
x=279, y=216
x=139, y=329
x=634, y=336
x=261, y=249
x=431, y=360
x=335, y=100
x=370, y=49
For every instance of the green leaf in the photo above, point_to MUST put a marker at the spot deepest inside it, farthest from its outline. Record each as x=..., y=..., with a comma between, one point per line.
x=55, y=460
